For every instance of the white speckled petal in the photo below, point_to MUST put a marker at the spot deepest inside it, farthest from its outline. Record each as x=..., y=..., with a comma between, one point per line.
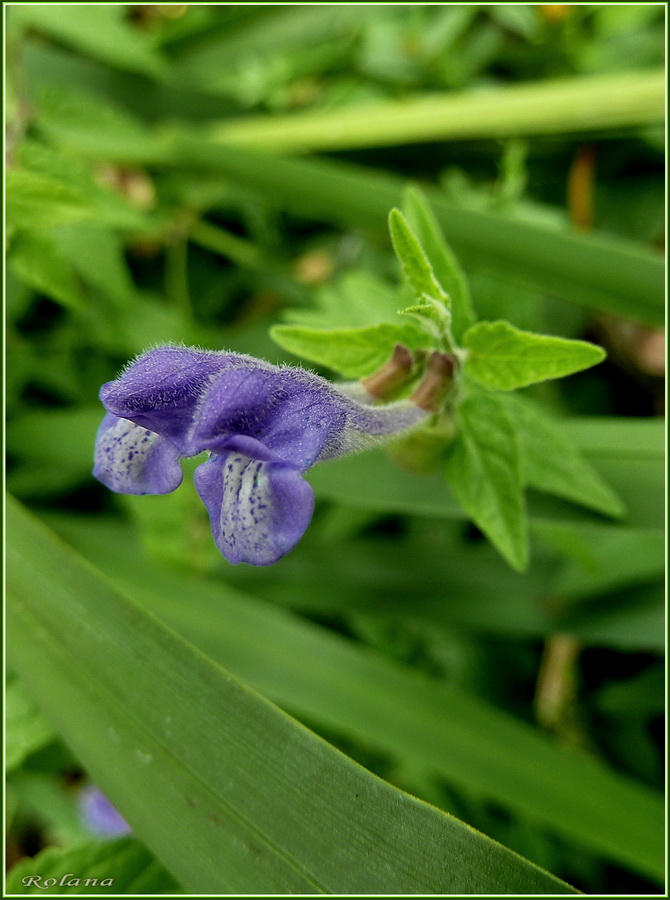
x=258, y=510
x=130, y=459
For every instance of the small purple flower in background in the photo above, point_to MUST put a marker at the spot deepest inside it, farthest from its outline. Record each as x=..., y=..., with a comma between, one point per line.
x=99, y=815
x=263, y=426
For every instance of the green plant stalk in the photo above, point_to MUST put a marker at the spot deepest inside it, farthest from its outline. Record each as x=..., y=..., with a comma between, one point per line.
x=587, y=104
x=241, y=252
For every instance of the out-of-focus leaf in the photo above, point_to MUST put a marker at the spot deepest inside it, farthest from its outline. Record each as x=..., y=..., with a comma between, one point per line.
x=26, y=729
x=99, y=31
x=593, y=270
x=49, y=800
x=94, y=129
x=38, y=261
x=484, y=472
x=223, y=787
x=122, y=866
x=97, y=255
x=37, y=201
x=207, y=60
x=607, y=561
x=504, y=358
x=110, y=208
x=63, y=437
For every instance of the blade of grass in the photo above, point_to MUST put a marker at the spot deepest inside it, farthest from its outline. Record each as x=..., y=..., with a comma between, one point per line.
x=230, y=794
x=332, y=681
x=596, y=271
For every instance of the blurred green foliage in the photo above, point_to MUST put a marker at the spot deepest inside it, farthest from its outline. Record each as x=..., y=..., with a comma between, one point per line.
x=135, y=219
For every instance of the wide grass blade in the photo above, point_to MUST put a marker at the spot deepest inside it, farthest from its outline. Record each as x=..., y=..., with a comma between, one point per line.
x=231, y=794
x=400, y=712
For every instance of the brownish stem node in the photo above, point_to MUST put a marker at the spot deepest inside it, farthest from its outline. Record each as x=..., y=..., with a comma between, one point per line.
x=435, y=384
x=392, y=374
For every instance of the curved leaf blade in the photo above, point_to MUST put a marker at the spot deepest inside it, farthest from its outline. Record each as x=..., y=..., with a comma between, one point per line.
x=222, y=786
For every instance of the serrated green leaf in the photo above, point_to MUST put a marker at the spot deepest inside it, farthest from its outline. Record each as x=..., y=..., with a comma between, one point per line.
x=356, y=300
x=26, y=729
x=504, y=358
x=231, y=794
x=415, y=265
x=38, y=201
x=39, y=262
x=124, y=864
x=484, y=472
x=551, y=462
x=354, y=352
x=443, y=262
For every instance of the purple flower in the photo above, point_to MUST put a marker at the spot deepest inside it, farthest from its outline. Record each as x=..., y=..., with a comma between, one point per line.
x=263, y=426
x=99, y=814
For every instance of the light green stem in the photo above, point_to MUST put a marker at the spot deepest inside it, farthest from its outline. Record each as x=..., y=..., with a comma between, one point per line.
x=545, y=107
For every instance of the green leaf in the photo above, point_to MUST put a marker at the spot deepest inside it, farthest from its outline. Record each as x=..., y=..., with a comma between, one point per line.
x=354, y=352
x=503, y=358
x=608, y=560
x=47, y=800
x=124, y=864
x=95, y=130
x=98, y=30
x=415, y=265
x=484, y=472
x=332, y=680
x=38, y=261
x=97, y=255
x=551, y=462
x=443, y=262
x=356, y=300
x=26, y=729
x=231, y=794
x=38, y=201
x=109, y=207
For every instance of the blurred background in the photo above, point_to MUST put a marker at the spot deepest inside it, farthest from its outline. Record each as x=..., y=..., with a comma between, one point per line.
x=199, y=173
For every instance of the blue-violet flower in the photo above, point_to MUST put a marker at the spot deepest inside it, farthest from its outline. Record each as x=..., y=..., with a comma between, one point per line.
x=263, y=425
x=100, y=815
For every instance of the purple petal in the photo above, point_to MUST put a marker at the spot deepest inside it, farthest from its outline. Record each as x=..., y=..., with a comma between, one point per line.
x=100, y=815
x=290, y=412
x=258, y=509
x=130, y=459
x=161, y=390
